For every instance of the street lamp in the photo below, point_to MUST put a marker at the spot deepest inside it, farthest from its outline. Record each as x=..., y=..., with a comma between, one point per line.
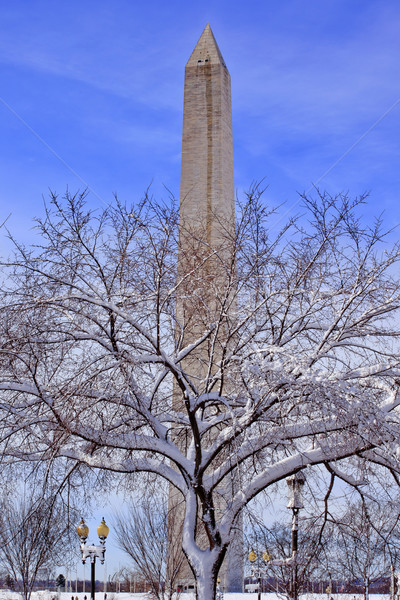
x=91, y=551
x=259, y=571
x=295, y=484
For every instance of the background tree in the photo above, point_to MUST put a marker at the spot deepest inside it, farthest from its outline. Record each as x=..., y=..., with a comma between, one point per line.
x=302, y=354
x=32, y=533
x=60, y=582
x=10, y=582
x=142, y=533
x=275, y=540
x=366, y=542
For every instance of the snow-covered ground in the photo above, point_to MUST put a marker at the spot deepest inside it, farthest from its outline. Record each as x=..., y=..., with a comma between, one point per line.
x=7, y=595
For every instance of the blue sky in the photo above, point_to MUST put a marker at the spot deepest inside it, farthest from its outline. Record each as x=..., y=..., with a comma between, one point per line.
x=99, y=85
x=91, y=94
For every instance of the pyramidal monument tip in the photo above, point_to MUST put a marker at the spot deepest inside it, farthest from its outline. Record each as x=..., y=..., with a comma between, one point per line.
x=206, y=50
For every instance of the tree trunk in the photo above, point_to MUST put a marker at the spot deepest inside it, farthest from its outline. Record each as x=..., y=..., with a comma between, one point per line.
x=366, y=589
x=392, y=582
x=206, y=585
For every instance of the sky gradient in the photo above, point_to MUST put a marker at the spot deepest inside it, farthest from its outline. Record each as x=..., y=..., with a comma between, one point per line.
x=91, y=95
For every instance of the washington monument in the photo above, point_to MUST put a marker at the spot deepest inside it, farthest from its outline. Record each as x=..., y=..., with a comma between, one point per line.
x=206, y=247
x=207, y=206
x=207, y=188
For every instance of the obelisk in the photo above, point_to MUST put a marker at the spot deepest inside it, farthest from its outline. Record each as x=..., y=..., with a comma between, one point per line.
x=207, y=198
x=206, y=235
x=207, y=189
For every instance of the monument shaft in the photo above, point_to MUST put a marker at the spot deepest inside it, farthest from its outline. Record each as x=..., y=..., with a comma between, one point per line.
x=207, y=207
x=207, y=187
x=206, y=247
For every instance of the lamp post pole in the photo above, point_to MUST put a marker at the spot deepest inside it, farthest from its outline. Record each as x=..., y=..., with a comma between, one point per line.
x=295, y=485
x=92, y=551
x=295, y=528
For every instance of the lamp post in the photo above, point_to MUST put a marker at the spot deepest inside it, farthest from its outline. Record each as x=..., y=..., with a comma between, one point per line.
x=258, y=571
x=295, y=484
x=252, y=559
x=91, y=550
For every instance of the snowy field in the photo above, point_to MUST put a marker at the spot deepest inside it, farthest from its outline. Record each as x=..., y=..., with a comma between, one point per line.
x=7, y=595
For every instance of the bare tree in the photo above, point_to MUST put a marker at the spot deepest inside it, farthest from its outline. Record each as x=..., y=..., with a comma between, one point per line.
x=32, y=534
x=142, y=533
x=366, y=542
x=273, y=546
x=302, y=355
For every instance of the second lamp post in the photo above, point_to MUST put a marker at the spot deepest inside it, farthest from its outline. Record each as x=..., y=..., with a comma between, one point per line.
x=91, y=550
